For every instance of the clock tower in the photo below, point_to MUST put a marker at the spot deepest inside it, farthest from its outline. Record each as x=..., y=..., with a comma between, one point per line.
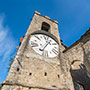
x=37, y=63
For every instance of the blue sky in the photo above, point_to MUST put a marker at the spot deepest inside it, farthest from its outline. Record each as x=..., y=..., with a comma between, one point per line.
x=15, y=16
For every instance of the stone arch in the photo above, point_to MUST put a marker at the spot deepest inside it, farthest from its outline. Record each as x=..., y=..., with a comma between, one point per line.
x=75, y=67
x=75, y=64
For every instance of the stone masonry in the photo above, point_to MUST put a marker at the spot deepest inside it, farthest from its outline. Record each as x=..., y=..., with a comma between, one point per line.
x=30, y=71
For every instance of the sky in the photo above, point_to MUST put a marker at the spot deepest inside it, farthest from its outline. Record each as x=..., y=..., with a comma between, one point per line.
x=15, y=17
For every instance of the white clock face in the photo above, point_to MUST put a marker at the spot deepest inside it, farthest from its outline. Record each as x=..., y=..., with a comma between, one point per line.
x=44, y=45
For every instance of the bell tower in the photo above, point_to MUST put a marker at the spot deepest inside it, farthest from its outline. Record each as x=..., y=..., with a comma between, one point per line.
x=37, y=63
x=40, y=22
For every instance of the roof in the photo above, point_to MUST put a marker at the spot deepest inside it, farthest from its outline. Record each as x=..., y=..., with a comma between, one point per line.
x=83, y=36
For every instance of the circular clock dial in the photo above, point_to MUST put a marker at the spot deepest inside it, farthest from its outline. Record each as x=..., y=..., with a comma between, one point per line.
x=44, y=45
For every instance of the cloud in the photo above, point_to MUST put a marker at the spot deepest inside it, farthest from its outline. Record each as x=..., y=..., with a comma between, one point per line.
x=7, y=47
x=7, y=42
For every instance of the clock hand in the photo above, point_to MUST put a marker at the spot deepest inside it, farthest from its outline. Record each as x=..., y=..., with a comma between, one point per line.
x=44, y=46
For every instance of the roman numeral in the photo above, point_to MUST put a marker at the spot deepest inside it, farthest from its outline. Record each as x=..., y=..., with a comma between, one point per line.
x=33, y=44
x=54, y=43
x=37, y=37
x=55, y=51
x=45, y=37
x=45, y=53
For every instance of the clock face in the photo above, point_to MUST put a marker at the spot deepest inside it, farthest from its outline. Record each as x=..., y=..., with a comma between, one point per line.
x=44, y=45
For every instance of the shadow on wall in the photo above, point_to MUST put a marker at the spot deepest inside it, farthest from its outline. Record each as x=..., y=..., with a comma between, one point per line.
x=86, y=53
x=80, y=78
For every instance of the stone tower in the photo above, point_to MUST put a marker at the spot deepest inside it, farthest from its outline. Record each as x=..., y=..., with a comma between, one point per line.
x=37, y=62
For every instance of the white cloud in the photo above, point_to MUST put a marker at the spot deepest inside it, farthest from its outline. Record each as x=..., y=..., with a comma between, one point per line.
x=7, y=47
x=7, y=42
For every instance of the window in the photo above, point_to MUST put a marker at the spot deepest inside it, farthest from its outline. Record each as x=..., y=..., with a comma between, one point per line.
x=30, y=74
x=45, y=26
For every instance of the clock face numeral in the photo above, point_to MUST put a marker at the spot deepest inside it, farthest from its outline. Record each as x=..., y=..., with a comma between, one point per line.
x=33, y=44
x=55, y=47
x=45, y=37
x=45, y=53
x=37, y=37
x=44, y=45
x=55, y=51
x=54, y=43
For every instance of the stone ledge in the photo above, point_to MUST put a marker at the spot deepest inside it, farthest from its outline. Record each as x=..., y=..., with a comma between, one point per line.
x=10, y=83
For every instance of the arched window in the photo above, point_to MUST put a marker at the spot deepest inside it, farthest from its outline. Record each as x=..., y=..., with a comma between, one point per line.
x=45, y=26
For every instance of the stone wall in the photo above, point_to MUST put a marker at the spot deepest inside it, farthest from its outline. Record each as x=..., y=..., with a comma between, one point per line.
x=31, y=71
x=36, y=24
x=79, y=53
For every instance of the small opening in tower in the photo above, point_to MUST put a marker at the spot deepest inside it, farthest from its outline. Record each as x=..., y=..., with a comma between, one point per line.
x=18, y=69
x=53, y=86
x=45, y=74
x=45, y=26
x=29, y=87
x=58, y=76
x=30, y=74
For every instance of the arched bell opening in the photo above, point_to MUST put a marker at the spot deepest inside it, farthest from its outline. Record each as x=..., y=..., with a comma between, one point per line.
x=45, y=27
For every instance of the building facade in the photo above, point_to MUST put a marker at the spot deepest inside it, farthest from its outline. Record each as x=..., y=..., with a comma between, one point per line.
x=43, y=62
